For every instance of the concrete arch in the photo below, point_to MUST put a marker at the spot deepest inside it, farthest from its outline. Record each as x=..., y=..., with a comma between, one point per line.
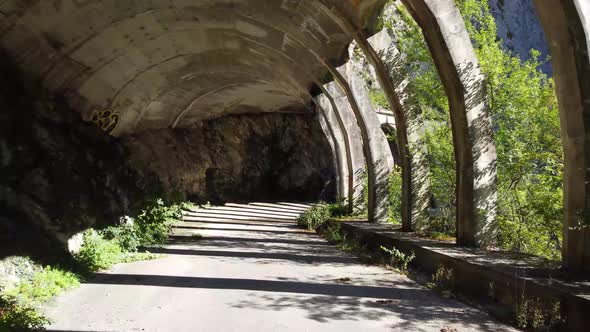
x=566, y=25
x=475, y=151
x=335, y=139
x=93, y=50
x=419, y=196
x=334, y=98
x=377, y=155
x=414, y=187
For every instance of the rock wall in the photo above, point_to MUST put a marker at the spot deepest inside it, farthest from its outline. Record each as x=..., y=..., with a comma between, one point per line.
x=58, y=174
x=264, y=157
x=520, y=29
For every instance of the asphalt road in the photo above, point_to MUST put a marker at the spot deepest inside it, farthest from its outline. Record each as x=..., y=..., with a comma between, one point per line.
x=254, y=270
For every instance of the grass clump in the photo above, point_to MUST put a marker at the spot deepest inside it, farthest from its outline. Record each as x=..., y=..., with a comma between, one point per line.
x=19, y=305
x=45, y=284
x=315, y=217
x=443, y=281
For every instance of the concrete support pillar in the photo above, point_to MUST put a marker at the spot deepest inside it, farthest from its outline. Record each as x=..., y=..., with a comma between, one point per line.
x=376, y=151
x=335, y=102
x=335, y=98
x=354, y=31
x=419, y=186
x=475, y=151
x=342, y=140
x=566, y=25
x=382, y=157
x=334, y=137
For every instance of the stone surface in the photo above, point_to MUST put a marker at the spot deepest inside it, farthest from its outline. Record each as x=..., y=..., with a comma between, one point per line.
x=16, y=269
x=59, y=175
x=380, y=156
x=240, y=157
x=254, y=270
x=419, y=193
x=520, y=29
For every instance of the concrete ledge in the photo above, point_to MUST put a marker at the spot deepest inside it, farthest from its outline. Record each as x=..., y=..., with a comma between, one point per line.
x=499, y=279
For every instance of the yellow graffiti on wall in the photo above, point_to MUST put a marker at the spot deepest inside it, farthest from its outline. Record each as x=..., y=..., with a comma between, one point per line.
x=106, y=120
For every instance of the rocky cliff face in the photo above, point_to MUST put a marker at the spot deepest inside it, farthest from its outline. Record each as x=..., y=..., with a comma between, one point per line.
x=520, y=29
x=60, y=175
x=240, y=158
x=517, y=24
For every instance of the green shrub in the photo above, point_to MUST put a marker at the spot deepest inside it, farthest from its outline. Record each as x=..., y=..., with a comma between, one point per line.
x=315, y=217
x=338, y=210
x=126, y=235
x=19, y=306
x=98, y=253
x=443, y=280
x=395, y=194
x=154, y=223
x=15, y=316
x=187, y=206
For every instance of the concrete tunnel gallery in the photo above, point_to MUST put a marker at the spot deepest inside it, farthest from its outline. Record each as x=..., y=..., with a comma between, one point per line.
x=358, y=159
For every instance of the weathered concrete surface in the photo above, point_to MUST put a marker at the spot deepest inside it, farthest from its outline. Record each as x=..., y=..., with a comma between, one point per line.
x=496, y=280
x=335, y=132
x=381, y=158
x=419, y=191
x=172, y=63
x=475, y=150
x=255, y=271
x=355, y=142
x=566, y=28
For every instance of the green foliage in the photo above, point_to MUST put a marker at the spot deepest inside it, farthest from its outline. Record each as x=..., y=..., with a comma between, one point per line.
x=44, y=285
x=155, y=222
x=17, y=317
x=314, y=217
x=100, y=250
x=395, y=193
x=98, y=253
x=377, y=97
x=126, y=235
x=187, y=206
x=399, y=259
x=338, y=210
x=19, y=306
x=524, y=109
x=537, y=314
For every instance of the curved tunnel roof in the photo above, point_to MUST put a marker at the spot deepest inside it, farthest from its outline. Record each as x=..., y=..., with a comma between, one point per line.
x=169, y=63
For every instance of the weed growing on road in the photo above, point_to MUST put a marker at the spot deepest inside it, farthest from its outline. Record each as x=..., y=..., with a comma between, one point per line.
x=398, y=259
x=443, y=280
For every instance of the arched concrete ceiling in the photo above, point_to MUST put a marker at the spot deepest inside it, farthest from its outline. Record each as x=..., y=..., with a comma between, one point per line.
x=168, y=63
